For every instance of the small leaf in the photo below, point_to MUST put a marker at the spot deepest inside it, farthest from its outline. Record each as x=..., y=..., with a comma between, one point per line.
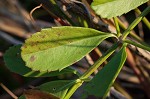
x=54, y=89
x=101, y=83
x=56, y=48
x=58, y=88
x=14, y=63
x=113, y=8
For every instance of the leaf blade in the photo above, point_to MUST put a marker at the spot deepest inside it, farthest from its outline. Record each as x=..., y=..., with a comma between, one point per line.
x=60, y=43
x=50, y=90
x=102, y=82
x=14, y=63
x=58, y=88
x=113, y=8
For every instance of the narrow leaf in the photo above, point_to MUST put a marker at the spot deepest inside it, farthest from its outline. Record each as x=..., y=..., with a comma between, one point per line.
x=101, y=83
x=113, y=8
x=14, y=63
x=56, y=48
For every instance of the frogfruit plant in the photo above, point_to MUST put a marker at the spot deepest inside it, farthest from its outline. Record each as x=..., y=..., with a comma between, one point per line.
x=51, y=51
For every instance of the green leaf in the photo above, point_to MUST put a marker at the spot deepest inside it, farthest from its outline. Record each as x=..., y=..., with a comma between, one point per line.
x=101, y=83
x=58, y=47
x=14, y=63
x=57, y=88
x=113, y=8
x=37, y=94
x=54, y=88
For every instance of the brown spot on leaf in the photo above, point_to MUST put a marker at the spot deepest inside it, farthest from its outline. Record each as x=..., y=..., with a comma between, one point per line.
x=59, y=34
x=43, y=36
x=24, y=46
x=39, y=48
x=33, y=44
x=37, y=41
x=32, y=58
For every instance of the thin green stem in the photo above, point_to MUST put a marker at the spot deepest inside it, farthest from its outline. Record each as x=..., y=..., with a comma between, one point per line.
x=138, y=45
x=99, y=61
x=146, y=22
x=29, y=73
x=73, y=89
x=136, y=37
x=135, y=22
x=117, y=26
x=91, y=70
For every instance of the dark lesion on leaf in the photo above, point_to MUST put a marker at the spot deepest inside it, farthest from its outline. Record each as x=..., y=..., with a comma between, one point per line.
x=58, y=34
x=24, y=46
x=32, y=58
x=43, y=36
x=33, y=43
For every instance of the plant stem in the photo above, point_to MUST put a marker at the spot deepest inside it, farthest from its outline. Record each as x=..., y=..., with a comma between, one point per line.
x=131, y=33
x=117, y=26
x=146, y=22
x=138, y=45
x=73, y=89
x=91, y=70
x=135, y=22
x=99, y=61
x=8, y=91
x=29, y=73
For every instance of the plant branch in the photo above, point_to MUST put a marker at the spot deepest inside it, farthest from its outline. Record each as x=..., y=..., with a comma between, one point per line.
x=145, y=20
x=99, y=61
x=135, y=22
x=137, y=45
x=91, y=70
x=117, y=26
x=131, y=33
x=73, y=89
x=8, y=91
